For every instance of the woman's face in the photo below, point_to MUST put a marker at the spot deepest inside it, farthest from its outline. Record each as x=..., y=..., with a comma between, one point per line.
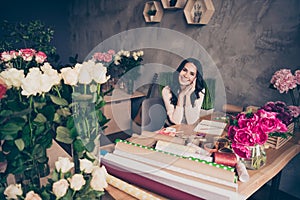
x=187, y=74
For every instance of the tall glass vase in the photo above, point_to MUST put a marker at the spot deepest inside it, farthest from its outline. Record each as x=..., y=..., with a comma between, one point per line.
x=257, y=159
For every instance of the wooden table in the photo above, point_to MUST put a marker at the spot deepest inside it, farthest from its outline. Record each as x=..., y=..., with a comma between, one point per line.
x=276, y=161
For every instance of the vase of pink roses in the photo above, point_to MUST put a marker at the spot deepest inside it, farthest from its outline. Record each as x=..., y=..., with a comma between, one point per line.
x=249, y=132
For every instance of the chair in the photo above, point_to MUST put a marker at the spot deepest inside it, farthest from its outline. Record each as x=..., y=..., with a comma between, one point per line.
x=153, y=114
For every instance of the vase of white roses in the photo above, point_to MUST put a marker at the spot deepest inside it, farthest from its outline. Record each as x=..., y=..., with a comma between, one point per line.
x=29, y=101
x=39, y=103
x=88, y=183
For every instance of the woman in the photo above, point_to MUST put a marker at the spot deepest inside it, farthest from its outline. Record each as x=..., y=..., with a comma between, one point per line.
x=184, y=97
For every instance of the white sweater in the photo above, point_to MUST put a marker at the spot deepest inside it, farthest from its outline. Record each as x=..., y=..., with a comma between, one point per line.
x=177, y=114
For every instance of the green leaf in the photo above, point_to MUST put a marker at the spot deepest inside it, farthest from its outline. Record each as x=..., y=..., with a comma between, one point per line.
x=78, y=146
x=58, y=101
x=9, y=131
x=63, y=135
x=20, y=144
x=40, y=118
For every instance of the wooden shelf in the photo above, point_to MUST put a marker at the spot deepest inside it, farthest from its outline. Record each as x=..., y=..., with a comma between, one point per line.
x=198, y=11
x=179, y=4
x=159, y=11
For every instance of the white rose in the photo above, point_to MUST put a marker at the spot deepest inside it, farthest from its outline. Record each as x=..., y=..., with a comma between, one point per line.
x=63, y=164
x=6, y=56
x=13, y=77
x=76, y=182
x=70, y=75
x=60, y=188
x=52, y=74
x=84, y=75
x=12, y=191
x=32, y=196
x=31, y=84
x=98, y=181
x=86, y=165
x=99, y=73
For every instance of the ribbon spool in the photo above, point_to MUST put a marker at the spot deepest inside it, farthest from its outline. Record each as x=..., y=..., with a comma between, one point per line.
x=225, y=158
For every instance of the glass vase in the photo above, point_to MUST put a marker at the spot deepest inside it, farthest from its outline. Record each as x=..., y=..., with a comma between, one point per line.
x=257, y=159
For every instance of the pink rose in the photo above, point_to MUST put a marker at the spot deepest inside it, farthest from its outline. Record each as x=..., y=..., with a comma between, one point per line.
x=111, y=52
x=241, y=150
x=40, y=57
x=98, y=56
x=107, y=57
x=245, y=121
x=244, y=136
x=27, y=54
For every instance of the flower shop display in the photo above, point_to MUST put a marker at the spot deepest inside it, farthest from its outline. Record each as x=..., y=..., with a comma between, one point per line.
x=249, y=132
x=39, y=103
x=30, y=110
x=285, y=81
x=89, y=183
x=287, y=114
x=123, y=68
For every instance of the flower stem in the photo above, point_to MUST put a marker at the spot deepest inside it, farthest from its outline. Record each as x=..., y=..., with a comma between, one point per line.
x=292, y=97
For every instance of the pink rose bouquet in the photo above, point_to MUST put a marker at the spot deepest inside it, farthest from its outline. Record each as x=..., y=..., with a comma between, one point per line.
x=250, y=129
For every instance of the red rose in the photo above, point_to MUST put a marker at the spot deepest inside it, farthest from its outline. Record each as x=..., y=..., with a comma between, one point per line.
x=3, y=89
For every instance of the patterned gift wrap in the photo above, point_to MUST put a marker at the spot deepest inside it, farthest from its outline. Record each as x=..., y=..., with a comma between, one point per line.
x=277, y=142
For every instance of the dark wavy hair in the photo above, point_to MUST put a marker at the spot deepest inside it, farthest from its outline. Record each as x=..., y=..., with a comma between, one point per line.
x=200, y=83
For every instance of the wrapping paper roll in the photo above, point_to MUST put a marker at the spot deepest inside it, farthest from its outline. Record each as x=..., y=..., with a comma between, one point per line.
x=228, y=159
x=129, y=189
x=242, y=172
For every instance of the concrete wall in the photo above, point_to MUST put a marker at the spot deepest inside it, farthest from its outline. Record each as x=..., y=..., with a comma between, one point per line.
x=247, y=40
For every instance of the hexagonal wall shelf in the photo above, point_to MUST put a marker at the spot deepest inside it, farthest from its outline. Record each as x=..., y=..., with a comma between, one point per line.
x=173, y=4
x=153, y=11
x=198, y=11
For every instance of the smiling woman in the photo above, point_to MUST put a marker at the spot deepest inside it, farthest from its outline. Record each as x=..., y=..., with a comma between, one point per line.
x=183, y=99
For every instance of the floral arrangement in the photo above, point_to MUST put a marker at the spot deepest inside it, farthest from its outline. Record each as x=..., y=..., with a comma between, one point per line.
x=30, y=109
x=251, y=129
x=286, y=82
x=65, y=184
x=124, y=61
x=286, y=114
x=39, y=103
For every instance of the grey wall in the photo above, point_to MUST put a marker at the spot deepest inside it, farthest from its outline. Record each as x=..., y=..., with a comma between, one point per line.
x=247, y=40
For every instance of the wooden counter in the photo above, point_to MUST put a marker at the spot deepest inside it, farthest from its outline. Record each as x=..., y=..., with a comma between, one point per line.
x=276, y=161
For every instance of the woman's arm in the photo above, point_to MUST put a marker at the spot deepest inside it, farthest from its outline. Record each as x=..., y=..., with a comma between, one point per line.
x=192, y=113
x=175, y=114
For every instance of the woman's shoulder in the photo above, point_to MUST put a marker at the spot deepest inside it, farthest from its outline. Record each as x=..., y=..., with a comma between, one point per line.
x=166, y=90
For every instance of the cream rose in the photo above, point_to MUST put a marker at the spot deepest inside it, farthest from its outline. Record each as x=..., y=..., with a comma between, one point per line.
x=98, y=181
x=31, y=84
x=70, y=75
x=63, y=164
x=12, y=77
x=84, y=74
x=86, y=166
x=76, y=182
x=13, y=191
x=60, y=188
x=52, y=74
x=32, y=196
x=98, y=73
